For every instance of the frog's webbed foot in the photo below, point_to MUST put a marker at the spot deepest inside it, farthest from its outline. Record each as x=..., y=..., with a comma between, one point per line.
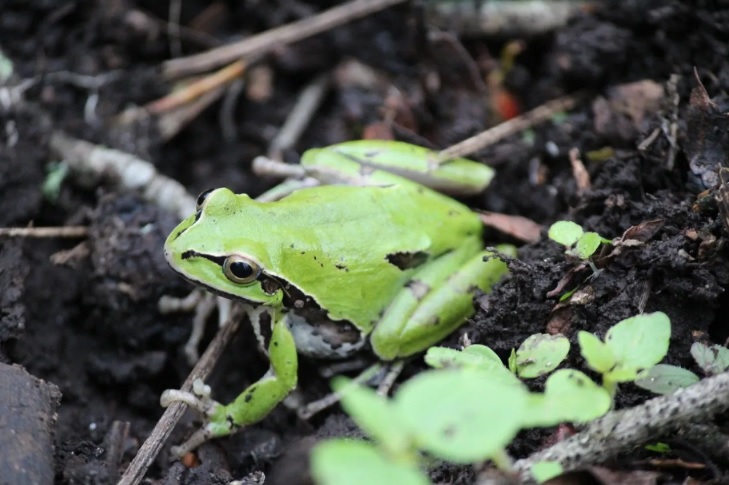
x=253, y=404
x=199, y=399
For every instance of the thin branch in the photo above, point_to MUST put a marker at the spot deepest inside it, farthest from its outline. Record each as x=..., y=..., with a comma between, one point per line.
x=197, y=88
x=128, y=171
x=274, y=38
x=511, y=127
x=43, y=232
x=308, y=103
x=153, y=444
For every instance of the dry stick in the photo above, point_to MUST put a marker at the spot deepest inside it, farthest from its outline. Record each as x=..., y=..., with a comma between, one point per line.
x=127, y=170
x=623, y=430
x=197, y=88
x=153, y=444
x=40, y=232
x=299, y=117
x=511, y=127
x=275, y=38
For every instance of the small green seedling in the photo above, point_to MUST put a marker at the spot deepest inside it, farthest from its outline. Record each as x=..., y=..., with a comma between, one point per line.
x=713, y=359
x=658, y=447
x=462, y=422
x=630, y=346
x=569, y=395
x=578, y=242
x=538, y=355
x=55, y=175
x=665, y=379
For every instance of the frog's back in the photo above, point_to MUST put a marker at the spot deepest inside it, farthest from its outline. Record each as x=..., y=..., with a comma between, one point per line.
x=362, y=241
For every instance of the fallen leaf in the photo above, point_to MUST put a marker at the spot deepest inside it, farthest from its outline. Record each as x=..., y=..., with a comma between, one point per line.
x=516, y=226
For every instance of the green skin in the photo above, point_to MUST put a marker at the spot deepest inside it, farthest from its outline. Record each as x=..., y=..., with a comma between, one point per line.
x=395, y=263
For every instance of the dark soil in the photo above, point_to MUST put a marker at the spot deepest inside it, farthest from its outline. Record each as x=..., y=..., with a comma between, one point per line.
x=82, y=313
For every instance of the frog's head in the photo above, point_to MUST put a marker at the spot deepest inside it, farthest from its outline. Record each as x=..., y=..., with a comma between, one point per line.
x=206, y=249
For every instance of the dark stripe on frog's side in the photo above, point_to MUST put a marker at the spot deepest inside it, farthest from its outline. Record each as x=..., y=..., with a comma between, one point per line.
x=406, y=259
x=335, y=333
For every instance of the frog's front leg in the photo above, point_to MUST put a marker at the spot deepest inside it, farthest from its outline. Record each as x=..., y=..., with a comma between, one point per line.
x=254, y=403
x=437, y=300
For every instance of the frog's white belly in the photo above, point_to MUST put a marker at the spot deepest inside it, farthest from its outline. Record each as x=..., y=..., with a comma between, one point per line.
x=325, y=340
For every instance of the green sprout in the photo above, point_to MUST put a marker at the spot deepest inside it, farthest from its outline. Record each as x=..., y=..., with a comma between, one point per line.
x=665, y=379
x=463, y=425
x=630, y=347
x=538, y=355
x=578, y=242
x=469, y=408
x=56, y=173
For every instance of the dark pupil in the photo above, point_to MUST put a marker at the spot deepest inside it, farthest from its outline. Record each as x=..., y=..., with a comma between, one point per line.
x=201, y=198
x=241, y=270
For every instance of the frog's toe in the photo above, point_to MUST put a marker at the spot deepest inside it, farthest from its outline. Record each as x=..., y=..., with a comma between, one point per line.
x=198, y=437
x=203, y=405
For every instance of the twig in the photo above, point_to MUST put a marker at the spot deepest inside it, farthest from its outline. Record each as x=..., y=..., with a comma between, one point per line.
x=196, y=89
x=623, y=430
x=42, y=232
x=128, y=171
x=153, y=444
x=275, y=38
x=510, y=127
x=299, y=116
x=504, y=18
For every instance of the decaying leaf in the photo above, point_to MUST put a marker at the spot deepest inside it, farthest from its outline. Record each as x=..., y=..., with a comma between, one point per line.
x=707, y=136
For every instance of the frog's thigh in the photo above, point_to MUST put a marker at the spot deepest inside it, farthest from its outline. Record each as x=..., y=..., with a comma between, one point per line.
x=262, y=396
x=436, y=302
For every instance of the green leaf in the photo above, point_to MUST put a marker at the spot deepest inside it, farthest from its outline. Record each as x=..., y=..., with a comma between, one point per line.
x=540, y=354
x=587, y=245
x=569, y=396
x=471, y=356
x=621, y=374
x=665, y=379
x=374, y=414
x=712, y=360
x=638, y=343
x=512, y=362
x=658, y=447
x=546, y=470
x=565, y=233
x=56, y=174
x=474, y=357
x=352, y=462
x=597, y=354
x=461, y=415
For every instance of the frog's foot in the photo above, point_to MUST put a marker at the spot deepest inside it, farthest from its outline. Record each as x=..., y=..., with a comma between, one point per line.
x=253, y=404
x=199, y=399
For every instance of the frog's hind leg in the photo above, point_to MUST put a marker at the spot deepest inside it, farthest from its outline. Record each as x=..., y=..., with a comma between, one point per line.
x=254, y=403
x=437, y=301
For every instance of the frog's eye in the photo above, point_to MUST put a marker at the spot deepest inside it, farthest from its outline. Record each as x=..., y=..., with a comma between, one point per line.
x=240, y=270
x=201, y=198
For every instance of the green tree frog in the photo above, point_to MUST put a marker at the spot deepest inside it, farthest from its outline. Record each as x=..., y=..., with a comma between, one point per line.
x=371, y=260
